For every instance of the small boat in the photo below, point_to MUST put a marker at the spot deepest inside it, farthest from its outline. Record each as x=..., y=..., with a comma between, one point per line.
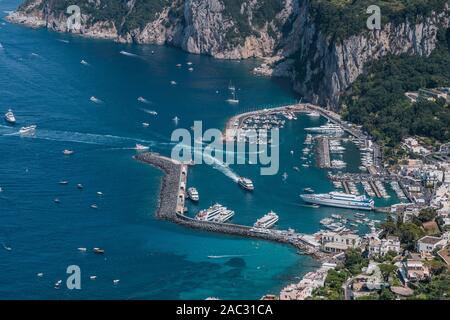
x=99, y=193
x=296, y=168
x=309, y=190
x=56, y=200
x=82, y=249
x=80, y=186
x=84, y=62
x=145, y=124
x=191, y=69
x=179, y=65
x=174, y=83
x=116, y=281
x=9, y=117
x=176, y=120
x=40, y=274
x=58, y=284
x=141, y=147
x=94, y=206
x=189, y=63
x=28, y=131
x=68, y=152
x=98, y=251
x=64, y=183
x=93, y=277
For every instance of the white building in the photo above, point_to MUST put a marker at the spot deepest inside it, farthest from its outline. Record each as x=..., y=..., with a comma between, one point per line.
x=379, y=247
x=334, y=242
x=428, y=244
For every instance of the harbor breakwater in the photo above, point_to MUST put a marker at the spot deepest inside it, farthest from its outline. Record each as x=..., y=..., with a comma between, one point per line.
x=172, y=194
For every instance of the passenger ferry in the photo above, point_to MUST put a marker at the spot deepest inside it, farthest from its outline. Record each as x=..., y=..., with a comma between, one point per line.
x=340, y=200
x=247, y=184
x=267, y=221
x=193, y=194
x=216, y=213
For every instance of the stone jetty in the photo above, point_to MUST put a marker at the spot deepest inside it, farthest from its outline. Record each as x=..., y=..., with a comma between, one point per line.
x=171, y=207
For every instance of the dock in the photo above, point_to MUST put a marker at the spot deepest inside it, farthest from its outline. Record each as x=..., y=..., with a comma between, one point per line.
x=172, y=203
x=323, y=152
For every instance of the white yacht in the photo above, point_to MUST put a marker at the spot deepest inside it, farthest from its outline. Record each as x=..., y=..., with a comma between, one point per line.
x=193, y=194
x=267, y=221
x=28, y=131
x=329, y=128
x=68, y=152
x=141, y=147
x=340, y=200
x=233, y=99
x=246, y=183
x=9, y=117
x=313, y=114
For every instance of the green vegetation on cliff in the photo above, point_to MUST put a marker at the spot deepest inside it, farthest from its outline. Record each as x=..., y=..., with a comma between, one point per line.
x=376, y=99
x=343, y=18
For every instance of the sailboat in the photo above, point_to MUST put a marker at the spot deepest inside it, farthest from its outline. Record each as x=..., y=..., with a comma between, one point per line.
x=233, y=99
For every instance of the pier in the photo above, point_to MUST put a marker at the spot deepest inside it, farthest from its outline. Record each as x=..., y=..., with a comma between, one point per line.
x=323, y=152
x=172, y=200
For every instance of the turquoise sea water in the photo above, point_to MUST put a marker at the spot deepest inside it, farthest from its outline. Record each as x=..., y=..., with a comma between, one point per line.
x=42, y=80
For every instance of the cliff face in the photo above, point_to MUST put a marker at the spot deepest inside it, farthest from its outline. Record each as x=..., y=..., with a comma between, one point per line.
x=285, y=32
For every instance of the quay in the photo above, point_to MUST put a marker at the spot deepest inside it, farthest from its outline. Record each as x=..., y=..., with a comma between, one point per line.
x=323, y=152
x=172, y=203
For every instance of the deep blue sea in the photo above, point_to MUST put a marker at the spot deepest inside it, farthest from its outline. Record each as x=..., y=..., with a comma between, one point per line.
x=43, y=81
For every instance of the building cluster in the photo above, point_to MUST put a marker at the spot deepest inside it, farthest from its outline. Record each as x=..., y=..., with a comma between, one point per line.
x=305, y=288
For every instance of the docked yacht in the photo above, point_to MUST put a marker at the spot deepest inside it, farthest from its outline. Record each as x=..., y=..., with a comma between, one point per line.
x=246, y=183
x=267, y=221
x=313, y=114
x=9, y=117
x=215, y=213
x=193, y=194
x=340, y=200
x=28, y=131
x=329, y=128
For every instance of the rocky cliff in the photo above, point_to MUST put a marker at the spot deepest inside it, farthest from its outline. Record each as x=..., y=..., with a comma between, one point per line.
x=289, y=34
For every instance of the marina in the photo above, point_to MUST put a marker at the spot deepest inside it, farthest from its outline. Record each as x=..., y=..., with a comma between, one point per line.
x=171, y=207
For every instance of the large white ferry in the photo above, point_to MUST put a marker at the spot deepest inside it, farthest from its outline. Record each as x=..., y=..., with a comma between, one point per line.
x=267, y=221
x=340, y=200
x=216, y=213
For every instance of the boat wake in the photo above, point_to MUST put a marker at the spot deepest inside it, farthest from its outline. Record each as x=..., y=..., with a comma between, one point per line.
x=227, y=256
x=143, y=100
x=85, y=138
x=220, y=166
x=95, y=100
x=151, y=112
x=129, y=54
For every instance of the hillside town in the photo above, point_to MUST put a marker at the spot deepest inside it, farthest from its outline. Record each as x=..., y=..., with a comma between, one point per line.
x=405, y=257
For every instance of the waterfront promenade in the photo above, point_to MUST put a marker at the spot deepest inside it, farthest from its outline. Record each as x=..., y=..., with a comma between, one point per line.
x=172, y=200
